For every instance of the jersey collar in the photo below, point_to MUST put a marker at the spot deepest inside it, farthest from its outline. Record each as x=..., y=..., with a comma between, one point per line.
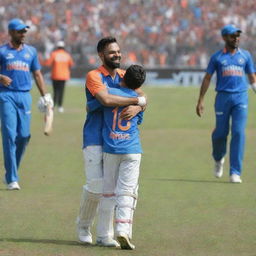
x=226, y=51
x=105, y=72
x=12, y=46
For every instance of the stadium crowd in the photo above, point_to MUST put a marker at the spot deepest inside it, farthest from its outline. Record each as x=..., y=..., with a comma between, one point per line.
x=155, y=33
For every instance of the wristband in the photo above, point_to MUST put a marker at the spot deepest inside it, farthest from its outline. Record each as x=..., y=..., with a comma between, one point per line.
x=142, y=101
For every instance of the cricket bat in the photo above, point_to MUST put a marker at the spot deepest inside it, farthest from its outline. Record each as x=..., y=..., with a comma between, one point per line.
x=48, y=120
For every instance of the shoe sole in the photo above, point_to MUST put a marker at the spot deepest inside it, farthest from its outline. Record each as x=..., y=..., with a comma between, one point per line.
x=84, y=243
x=16, y=188
x=235, y=182
x=107, y=245
x=124, y=243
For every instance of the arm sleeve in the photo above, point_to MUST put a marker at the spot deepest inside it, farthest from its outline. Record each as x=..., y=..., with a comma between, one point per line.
x=211, y=66
x=249, y=67
x=35, y=65
x=94, y=83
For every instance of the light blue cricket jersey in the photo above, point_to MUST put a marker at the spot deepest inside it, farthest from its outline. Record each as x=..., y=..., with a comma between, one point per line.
x=121, y=136
x=17, y=64
x=231, y=69
x=92, y=130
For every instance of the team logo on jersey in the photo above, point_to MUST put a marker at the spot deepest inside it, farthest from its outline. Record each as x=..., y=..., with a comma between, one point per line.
x=241, y=61
x=9, y=56
x=27, y=56
x=224, y=62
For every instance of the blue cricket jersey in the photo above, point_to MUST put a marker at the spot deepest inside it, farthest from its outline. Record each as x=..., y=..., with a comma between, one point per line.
x=121, y=136
x=96, y=80
x=17, y=64
x=231, y=70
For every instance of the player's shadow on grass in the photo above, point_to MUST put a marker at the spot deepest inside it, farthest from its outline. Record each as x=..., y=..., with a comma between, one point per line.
x=43, y=241
x=191, y=180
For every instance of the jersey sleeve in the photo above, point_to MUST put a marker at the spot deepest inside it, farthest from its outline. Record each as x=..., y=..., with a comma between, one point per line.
x=249, y=67
x=211, y=66
x=35, y=65
x=94, y=83
x=94, y=105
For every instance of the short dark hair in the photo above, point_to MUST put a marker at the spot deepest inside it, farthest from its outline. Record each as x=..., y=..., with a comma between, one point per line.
x=105, y=41
x=134, y=77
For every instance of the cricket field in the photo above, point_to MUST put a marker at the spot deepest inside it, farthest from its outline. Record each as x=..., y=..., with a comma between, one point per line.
x=182, y=209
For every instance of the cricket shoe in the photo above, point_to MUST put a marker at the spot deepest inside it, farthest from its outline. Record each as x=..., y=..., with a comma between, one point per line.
x=13, y=186
x=61, y=110
x=218, y=168
x=107, y=242
x=124, y=241
x=84, y=235
x=234, y=178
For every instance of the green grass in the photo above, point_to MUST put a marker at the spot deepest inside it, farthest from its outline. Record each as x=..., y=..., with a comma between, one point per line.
x=182, y=209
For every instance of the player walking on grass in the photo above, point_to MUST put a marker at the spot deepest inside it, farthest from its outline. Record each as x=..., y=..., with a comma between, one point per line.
x=97, y=81
x=17, y=60
x=231, y=103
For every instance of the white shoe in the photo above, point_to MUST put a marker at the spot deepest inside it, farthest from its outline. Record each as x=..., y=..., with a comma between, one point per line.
x=61, y=109
x=107, y=242
x=218, y=168
x=234, y=178
x=125, y=242
x=13, y=186
x=84, y=235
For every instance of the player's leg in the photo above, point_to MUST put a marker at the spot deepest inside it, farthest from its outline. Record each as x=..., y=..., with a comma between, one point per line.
x=220, y=133
x=92, y=192
x=61, y=92
x=105, y=231
x=126, y=194
x=23, y=126
x=8, y=115
x=239, y=119
x=55, y=91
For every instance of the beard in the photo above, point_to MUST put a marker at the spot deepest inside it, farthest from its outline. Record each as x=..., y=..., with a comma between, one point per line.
x=233, y=45
x=111, y=64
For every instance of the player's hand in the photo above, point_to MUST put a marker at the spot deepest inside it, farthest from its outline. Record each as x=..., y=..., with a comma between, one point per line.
x=45, y=101
x=199, y=108
x=130, y=112
x=5, y=80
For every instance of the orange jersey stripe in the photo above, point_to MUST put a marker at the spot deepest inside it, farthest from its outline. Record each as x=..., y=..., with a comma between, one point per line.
x=94, y=81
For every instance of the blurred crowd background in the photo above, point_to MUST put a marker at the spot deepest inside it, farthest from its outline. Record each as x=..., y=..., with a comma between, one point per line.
x=155, y=33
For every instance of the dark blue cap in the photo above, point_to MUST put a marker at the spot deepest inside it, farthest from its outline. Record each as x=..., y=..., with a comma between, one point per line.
x=16, y=24
x=229, y=30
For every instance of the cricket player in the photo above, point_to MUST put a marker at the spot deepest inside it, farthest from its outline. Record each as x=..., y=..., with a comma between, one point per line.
x=97, y=83
x=122, y=156
x=231, y=103
x=17, y=60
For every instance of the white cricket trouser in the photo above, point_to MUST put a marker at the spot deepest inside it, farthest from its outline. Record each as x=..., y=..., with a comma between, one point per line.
x=93, y=163
x=92, y=195
x=120, y=182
